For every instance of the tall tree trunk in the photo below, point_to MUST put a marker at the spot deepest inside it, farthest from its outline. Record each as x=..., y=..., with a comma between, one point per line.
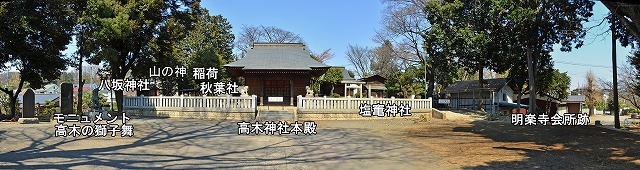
x=481, y=84
x=518, y=101
x=548, y=109
x=80, y=85
x=119, y=99
x=532, y=91
x=119, y=73
x=12, y=112
x=430, y=88
x=480, y=76
x=432, y=80
x=591, y=110
x=405, y=93
x=14, y=98
x=534, y=60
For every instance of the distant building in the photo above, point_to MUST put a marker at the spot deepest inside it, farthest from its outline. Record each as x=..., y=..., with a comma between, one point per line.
x=87, y=87
x=374, y=85
x=48, y=89
x=348, y=86
x=469, y=95
x=573, y=104
x=548, y=104
x=41, y=99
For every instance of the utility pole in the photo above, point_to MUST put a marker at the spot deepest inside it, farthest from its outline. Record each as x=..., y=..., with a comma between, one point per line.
x=615, y=73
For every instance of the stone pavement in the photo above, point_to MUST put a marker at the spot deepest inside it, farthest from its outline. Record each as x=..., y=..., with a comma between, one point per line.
x=191, y=143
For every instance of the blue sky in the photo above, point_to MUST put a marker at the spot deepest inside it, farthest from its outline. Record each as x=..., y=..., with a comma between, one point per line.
x=595, y=55
x=322, y=24
x=336, y=24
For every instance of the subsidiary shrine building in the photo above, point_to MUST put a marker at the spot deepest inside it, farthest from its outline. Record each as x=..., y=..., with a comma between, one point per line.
x=277, y=70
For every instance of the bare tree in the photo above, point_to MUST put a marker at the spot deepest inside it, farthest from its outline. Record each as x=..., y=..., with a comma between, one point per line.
x=361, y=58
x=627, y=85
x=406, y=24
x=264, y=34
x=324, y=56
x=385, y=60
x=592, y=92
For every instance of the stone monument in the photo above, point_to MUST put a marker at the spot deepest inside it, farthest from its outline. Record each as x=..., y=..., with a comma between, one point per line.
x=95, y=100
x=66, y=98
x=28, y=104
x=28, y=108
x=96, y=107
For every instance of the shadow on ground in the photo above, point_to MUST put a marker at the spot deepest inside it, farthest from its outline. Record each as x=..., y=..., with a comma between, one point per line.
x=498, y=145
x=180, y=143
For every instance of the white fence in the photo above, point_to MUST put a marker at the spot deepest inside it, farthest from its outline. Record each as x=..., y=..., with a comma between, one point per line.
x=323, y=104
x=246, y=104
x=221, y=102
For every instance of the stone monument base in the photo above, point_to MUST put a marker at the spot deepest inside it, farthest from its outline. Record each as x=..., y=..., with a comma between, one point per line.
x=28, y=121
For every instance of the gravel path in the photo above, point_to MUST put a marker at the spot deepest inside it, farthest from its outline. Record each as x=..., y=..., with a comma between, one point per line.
x=358, y=144
x=190, y=143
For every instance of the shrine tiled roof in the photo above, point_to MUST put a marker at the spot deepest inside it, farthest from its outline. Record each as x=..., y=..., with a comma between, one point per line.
x=277, y=56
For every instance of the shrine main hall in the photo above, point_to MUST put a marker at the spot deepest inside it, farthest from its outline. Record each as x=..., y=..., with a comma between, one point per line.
x=277, y=70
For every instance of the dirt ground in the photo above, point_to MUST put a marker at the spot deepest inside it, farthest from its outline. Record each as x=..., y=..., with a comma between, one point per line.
x=493, y=145
x=500, y=145
x=357, y=144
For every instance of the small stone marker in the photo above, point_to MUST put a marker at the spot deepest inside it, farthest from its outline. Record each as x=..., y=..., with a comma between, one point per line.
x=28, y=121
x=66, y=98
x=28, y=104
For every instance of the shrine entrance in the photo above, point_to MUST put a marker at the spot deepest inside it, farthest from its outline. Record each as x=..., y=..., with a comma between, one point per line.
x=277, y=72
x=277, y=88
